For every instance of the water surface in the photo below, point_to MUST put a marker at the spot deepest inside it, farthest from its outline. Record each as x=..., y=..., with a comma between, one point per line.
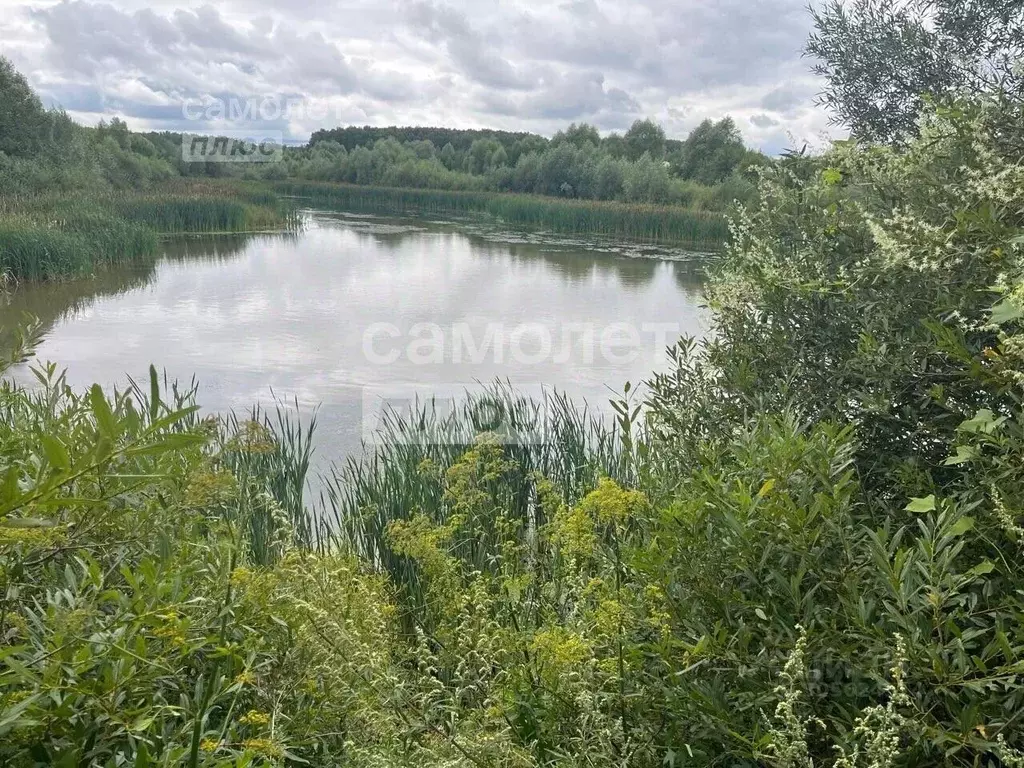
x=354, y=310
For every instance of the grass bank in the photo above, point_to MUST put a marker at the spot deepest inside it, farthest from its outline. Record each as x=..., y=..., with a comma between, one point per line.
x=50, y=236
x=645, y=223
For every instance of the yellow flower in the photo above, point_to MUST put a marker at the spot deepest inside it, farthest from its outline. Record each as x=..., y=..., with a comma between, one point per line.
x=241, y=576
x=253, y=717
x=264, y=747
x=209, y=745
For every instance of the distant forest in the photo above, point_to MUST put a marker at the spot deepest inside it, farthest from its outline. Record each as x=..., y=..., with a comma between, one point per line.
x=711, y=169
x=353, y=136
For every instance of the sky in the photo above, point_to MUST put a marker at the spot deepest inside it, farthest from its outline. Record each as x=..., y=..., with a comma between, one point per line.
x=295, y=66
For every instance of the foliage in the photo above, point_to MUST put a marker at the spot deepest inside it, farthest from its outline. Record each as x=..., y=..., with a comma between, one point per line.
x=711, y=153
x=354, y=136
x=43, y=153
x=800, y=549
x=645, y=137
x=880, y=58
x=25, y=127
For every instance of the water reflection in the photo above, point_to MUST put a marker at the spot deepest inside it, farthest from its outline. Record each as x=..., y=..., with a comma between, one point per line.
x=574, y=258
x=56, y=302
x=290, y=315
x=206, y=248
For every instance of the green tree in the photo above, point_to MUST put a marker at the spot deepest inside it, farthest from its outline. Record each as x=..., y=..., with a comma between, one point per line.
x=881, y=57
x=646, y=181
x=711, y=152
x=481, y=154
x=499, y=159
x=22, y=117
x=614, y=145
x=645, y=137
x=579, y=135
x=525, y=146
x=448, y=157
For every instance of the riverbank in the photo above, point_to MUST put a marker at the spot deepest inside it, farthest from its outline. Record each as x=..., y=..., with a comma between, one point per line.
x=56, y=235
x=643, y=223
x=61, y=234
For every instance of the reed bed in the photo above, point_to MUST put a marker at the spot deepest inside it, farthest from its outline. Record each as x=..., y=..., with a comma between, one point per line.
x=36, y=248
x=402, y=473
x=208, y=206
x=45, y=237
x=645, y=223
x=270, y=454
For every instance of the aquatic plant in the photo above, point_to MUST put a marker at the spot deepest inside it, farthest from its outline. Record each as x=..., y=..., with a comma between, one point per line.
x=646, y=223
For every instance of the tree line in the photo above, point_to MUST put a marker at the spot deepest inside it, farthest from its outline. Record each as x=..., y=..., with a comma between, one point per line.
x=44, y=149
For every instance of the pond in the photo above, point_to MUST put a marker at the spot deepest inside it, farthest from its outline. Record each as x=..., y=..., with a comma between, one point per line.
x=354, y=312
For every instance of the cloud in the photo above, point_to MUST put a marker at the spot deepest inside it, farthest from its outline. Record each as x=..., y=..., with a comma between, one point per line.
x=570, y=98
x=524, y=65
x=474, y=55
x=790, y=98
x=764, y=121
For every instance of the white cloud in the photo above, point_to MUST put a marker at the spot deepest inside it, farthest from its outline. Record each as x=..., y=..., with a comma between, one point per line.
x=515, y=64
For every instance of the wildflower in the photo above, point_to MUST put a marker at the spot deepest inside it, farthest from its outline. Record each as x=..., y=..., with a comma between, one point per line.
x=209, y=745
x=207, y=489
x=252, y=437
x=264, y=747
x=254, y=718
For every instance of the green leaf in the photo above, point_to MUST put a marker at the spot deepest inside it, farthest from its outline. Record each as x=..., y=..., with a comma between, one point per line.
x=984, y=423
x=964, y=454
x=10, y=488
x=760, y=614
x=142, y=756
x=831, y=176
x=171, y=419
x=9, y=719
x=927, y=504
x=982, y=568
x=55, y=452
x=27, y=522
x=154, y=393
x=101, y=410
x=962, y=526
x=141, y=724
x=1006, y=311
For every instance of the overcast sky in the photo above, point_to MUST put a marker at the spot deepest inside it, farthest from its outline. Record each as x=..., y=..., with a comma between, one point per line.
x=515, y=64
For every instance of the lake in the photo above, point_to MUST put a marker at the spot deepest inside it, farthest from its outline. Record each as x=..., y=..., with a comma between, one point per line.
x=355, y=312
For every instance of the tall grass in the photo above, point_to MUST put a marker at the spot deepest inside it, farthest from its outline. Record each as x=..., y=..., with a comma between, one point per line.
x=270, y=454
x=646, y=223
x=402, y=472
x=32, y=248
x=208, y=207
x=44, y=237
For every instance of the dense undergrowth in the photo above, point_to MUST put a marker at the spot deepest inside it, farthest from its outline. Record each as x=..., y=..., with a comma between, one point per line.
x=805, y=550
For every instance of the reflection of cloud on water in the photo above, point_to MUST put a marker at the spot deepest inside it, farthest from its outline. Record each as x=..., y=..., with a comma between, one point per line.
x=287, y=313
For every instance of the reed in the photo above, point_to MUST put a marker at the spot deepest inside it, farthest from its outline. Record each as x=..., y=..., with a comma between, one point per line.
x=402, y=472
x=36, y=249
x=269, y=453
x=645, y=223
x=208, y=208
x=49, y=236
